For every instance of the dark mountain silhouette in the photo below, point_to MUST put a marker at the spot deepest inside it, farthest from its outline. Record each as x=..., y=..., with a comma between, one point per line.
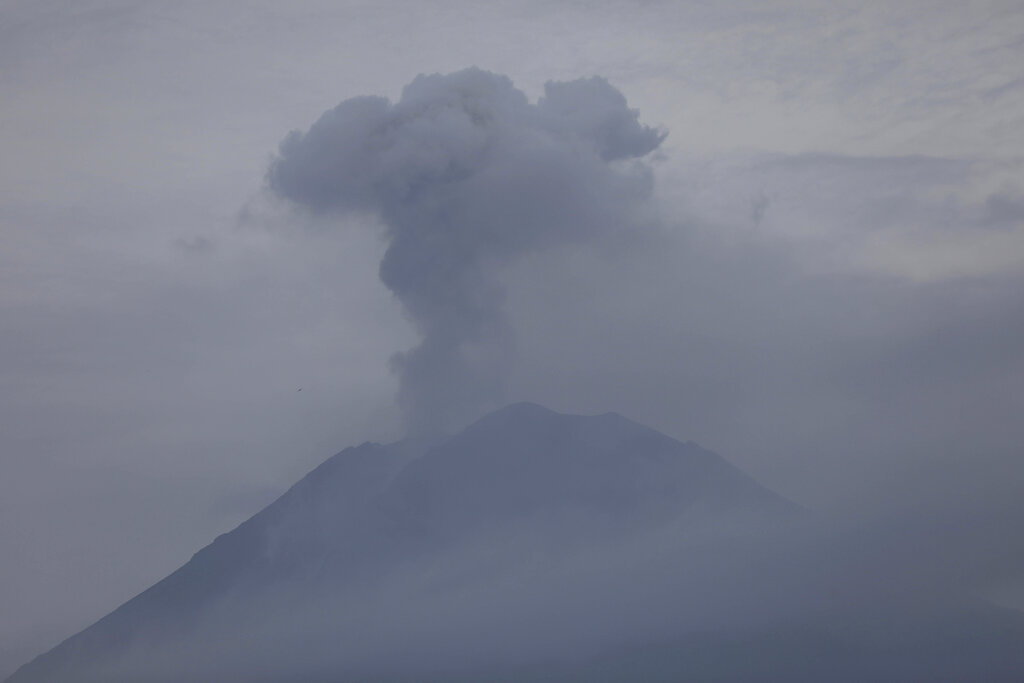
x=533, y=546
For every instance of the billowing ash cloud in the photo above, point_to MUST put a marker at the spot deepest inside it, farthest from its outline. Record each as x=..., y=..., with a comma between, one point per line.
x=466, y=175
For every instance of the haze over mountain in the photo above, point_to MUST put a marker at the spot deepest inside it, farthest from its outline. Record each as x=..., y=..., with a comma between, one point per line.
x=818, y=274
x=534, y=546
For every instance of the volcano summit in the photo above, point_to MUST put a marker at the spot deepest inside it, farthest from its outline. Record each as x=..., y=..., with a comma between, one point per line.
x=531, y=546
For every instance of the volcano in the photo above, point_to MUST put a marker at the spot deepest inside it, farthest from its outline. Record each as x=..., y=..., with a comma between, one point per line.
x=533, y=545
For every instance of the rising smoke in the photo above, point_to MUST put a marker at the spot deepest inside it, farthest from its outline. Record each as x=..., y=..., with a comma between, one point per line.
x=466, y=175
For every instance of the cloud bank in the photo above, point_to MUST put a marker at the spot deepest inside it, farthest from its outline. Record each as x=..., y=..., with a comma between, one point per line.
x=466, y=175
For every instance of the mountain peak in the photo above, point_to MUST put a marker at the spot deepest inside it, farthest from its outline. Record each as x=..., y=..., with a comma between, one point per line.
x=530, y=540
x=526, y=415
x=543, y=481
x=514, y=413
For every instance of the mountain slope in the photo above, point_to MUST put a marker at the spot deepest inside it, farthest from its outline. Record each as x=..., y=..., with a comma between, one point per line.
x=531, y=543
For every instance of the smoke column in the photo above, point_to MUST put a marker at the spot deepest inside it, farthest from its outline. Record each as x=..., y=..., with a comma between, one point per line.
x=466, y=175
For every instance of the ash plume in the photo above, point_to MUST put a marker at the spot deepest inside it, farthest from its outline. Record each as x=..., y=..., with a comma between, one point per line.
x=466, y=175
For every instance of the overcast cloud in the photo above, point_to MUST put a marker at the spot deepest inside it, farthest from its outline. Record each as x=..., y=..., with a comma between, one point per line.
x=829, y=289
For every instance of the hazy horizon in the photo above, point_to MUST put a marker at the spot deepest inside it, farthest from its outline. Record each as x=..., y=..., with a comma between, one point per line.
x=818, y=273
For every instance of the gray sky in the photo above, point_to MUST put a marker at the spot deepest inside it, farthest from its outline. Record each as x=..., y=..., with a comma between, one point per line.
x=830, y=292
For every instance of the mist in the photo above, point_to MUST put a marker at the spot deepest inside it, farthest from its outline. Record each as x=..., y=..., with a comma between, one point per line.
x=816, y=275
x=535, y=545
